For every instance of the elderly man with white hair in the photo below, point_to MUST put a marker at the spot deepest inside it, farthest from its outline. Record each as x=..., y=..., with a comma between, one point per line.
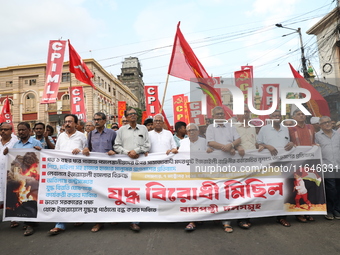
x=193, y=142
x=161, y=140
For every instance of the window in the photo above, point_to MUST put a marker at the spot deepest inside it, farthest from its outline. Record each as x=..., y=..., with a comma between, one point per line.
x=66, y=102
x=9, y=83
x=30, y=103
x=65, y=77
x=32, y=82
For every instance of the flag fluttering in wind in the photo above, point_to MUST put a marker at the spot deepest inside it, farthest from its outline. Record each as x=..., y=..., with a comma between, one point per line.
x=79, y=68
x=6, y=115
x=317, y=104
x=185, y=65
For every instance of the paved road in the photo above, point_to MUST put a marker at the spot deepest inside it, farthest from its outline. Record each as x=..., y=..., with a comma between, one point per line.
x=265, y=237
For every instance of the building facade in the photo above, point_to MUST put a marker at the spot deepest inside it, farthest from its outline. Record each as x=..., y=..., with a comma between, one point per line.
x=24, y=85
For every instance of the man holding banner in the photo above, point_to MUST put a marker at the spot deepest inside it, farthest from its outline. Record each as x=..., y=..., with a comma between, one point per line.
x=228, y=139
x=26, y=142
x=329, y=141
x=72, y=141
x=271, y=137
x=132, y=140
x=161, y=140
x=101, y=140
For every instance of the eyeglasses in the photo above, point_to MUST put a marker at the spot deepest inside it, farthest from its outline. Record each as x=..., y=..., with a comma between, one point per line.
x=326, y=122
x=4, y=129
x=192, y=130
x=97, y=119
x=158, y=121
x=132, y=113
x=89, y=125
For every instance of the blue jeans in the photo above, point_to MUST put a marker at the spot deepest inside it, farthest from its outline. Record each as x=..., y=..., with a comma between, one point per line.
x=60, y=225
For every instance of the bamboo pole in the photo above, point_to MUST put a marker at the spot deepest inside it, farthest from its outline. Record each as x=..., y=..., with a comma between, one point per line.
x=166, y=87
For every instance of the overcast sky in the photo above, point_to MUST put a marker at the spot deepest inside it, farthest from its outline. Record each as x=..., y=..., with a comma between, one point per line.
x=224, y=34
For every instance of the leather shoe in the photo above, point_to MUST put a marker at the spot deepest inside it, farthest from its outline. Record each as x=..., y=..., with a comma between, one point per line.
x=135, y=227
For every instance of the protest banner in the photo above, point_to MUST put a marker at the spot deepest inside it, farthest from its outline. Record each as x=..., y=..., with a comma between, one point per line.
x=54, y=186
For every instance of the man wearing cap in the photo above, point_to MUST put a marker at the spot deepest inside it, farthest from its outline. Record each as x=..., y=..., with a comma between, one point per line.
x=315, y=122
x=148, y=123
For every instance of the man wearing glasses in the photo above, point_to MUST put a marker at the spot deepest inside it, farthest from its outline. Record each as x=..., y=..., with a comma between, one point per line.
x=194, y=143
x=102, y=140
x=89, y=127
x=72, y=141
x=132, y=140
x=329, y=141
x=161, y=140
x=271, y=137
x=222, y=136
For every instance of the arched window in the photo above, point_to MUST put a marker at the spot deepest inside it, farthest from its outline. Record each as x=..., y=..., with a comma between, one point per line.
x=66, y=102
x=30, y=103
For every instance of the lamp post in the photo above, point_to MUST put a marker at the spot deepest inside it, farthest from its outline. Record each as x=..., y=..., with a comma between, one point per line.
x=303, y=59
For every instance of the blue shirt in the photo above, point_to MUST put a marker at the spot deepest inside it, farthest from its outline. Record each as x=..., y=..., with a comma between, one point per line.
x=101, y=142
x=43, y=141
x=178, y=140
x=28, y=145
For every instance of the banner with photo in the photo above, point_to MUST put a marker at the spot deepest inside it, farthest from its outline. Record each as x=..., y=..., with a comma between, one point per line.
x=55, y=186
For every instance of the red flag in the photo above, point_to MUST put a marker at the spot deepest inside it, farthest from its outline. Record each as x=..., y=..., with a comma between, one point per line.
x=79, y=68
x=6, y=115
x=317, y=104
x=78, y=102
x=185, y=65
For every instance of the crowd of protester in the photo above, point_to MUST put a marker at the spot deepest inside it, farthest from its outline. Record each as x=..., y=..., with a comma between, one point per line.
x=132, y=139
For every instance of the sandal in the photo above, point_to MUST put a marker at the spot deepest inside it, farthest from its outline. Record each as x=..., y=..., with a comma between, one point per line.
x=190, y=227
x=55, y=231
x=309, y=218
x=244, y=224
x=301, y=218
x=14, y=224
x=228, y=229
x=96, y=227
x=283, y=222
x=29, y=231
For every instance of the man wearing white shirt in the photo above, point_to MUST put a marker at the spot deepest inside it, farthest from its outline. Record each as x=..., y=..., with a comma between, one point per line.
x=73, y=141
x=194, y=143
x=161, y=140
x=6, y=141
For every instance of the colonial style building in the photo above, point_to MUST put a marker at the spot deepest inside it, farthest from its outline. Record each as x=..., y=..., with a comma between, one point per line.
x=327, y=35
x=25, y=85
x=132, y=77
